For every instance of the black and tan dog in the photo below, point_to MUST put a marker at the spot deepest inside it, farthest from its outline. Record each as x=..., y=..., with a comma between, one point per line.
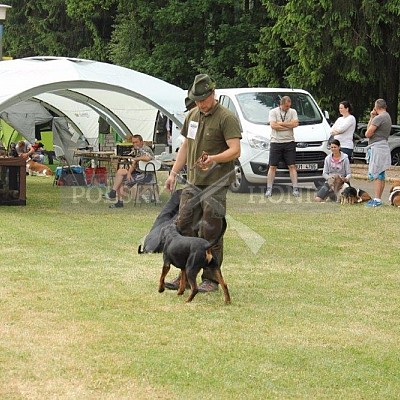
x=362, y=196
x=351, y=195
x=394, y=197
x=348, y=195
x=345, y=193
x=190, y=255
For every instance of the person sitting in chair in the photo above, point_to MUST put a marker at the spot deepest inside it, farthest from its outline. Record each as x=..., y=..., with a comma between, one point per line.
x=129, y=177
x=32, y=151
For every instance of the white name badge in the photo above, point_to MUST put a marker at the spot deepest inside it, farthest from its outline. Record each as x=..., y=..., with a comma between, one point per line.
x=192, y=131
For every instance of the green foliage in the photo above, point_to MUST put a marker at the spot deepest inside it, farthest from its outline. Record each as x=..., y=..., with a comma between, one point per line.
x=60, y=28
x=175, y=40
x=42, y=28
x=98, y=17
x=142, y=40
x=337, y=49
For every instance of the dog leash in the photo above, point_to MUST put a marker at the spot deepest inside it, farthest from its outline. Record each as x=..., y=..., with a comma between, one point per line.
x=209, y=191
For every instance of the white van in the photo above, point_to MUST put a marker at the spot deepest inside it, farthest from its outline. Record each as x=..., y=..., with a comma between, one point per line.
x=252, y=106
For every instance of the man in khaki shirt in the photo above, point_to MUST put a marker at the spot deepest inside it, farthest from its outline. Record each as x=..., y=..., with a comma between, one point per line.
x=213, y=129
x=283, y=147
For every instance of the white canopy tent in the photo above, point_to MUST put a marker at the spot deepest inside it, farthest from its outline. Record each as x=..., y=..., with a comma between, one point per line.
x=80, y=91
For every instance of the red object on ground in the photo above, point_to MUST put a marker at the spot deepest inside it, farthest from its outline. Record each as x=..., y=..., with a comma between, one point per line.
x=96, y=176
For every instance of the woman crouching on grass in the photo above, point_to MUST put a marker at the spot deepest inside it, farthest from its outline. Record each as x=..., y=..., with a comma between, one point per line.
x=336, y=163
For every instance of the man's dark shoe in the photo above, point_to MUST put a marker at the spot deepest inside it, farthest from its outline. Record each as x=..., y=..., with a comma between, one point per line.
x=208, y=286
x=111, y=195
x=174, y=284
x=118, y=204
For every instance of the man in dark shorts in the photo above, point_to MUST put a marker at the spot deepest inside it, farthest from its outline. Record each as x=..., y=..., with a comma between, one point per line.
x=283, y=147
x=129, y=177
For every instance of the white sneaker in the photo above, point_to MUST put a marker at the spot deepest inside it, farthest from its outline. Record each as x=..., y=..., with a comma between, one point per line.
x=296, y=192
x=268, y=193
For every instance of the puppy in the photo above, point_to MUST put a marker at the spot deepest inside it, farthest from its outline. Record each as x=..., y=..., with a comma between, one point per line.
x=394, y=197
x=35, y=168
x=336, y=185
x=362, y=196
x=348, y=194
x=351, y=195
x=189, y=254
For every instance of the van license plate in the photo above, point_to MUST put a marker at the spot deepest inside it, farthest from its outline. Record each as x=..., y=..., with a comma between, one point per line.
x=360, y=150
x=308, y=167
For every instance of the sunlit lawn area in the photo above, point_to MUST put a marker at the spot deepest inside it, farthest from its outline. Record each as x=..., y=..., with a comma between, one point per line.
x=314, y=313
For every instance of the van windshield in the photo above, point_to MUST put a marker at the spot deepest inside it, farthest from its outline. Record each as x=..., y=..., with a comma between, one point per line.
x=256, y=106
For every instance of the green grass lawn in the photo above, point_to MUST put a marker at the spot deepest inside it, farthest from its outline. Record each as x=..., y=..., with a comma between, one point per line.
x=314, y=313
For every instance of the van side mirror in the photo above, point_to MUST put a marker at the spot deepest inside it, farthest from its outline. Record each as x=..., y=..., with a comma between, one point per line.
x=326, y=114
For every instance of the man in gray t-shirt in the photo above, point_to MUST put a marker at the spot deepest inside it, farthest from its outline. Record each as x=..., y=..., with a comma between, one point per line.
x=379, y=158
x=383, y=124
x=131, y=176
x=283, y=147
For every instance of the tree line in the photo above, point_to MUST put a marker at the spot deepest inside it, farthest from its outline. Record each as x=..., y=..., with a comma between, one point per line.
x=336, y=49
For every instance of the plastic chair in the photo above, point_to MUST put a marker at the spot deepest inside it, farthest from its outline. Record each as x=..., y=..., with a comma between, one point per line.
x=149, y=182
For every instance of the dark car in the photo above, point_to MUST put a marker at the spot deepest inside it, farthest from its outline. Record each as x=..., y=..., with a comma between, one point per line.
x=361, y=143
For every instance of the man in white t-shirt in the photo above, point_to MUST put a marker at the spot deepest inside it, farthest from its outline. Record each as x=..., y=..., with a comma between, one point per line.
x=283, y=147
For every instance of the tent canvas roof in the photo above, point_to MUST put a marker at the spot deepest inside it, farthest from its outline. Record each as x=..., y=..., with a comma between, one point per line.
x=83, y=90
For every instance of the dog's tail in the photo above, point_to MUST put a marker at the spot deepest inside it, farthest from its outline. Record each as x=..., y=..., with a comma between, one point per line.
x=212, y=261
x=221, y=234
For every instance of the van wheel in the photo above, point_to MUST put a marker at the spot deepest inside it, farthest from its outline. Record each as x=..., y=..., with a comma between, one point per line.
x=240, y=184
x=396, y=157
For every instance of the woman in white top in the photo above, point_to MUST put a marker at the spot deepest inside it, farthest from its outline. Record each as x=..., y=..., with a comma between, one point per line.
x=344, y=127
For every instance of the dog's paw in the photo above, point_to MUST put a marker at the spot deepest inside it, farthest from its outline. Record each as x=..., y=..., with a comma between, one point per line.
x=189, y=300
x=161, y=289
